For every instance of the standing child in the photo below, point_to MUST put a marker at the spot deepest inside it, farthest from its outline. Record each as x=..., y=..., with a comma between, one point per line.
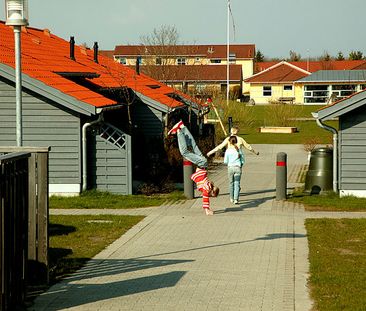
x=241, y=143
x=190, y=151
x=234, y=158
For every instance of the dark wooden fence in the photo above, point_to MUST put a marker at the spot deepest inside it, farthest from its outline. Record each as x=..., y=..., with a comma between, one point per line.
x=32, y=196
x=14, y=229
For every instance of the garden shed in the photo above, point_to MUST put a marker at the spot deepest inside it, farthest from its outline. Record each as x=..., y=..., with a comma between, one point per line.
x=351, y=141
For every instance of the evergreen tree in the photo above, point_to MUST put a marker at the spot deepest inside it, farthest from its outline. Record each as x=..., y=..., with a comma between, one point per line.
x=340, y=56
x=259, y=57
x=355, y=55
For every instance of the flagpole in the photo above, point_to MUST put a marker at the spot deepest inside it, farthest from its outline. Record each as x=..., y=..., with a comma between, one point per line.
x=227, y=52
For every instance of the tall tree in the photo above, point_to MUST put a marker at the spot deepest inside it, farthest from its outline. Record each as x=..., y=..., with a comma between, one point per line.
x=294, y=57
x=259, y=57
x=159, y=52
x=325, y=57
x=355, y=55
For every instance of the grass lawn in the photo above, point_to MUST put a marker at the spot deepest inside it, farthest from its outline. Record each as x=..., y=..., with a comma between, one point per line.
x=329, y=202
x=337, y=252
x=95, y=199
x=251, y=118
x=75, y=239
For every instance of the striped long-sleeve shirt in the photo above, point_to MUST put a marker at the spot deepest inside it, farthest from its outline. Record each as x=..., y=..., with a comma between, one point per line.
x=203, y=185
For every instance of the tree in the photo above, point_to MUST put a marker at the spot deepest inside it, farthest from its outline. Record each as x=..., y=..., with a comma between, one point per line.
x=159, y=52
x=325, y=57
x=340, y=56
x=259, y=57
x=355, y=55
x=294, y=57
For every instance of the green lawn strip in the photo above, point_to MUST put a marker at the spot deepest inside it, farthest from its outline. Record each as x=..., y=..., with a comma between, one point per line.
x=329, y=202
x=97, y=199
x=306, y=131
x=337, y=253
x=251, y=118
x=75, y=239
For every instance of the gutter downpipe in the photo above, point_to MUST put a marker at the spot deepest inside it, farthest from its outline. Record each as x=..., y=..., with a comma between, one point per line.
x=335, y=151
x=84, y=141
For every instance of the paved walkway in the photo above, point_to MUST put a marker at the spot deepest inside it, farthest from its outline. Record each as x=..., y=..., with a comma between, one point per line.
x=251, y=256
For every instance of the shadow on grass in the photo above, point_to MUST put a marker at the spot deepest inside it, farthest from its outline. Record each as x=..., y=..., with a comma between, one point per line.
x=57, y=229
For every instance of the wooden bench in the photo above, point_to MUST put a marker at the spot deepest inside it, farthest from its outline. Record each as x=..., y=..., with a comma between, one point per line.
x=286, y=100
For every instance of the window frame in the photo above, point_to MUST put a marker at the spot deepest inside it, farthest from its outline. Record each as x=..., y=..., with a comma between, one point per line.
x=267, y=90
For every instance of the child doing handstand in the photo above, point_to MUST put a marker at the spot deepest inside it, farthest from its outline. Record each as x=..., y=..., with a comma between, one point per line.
x=190, y=151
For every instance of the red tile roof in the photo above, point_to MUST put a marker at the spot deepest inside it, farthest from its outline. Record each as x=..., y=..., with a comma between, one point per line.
x=211, y=51
x=282, y=72
x=107, y=53
x=44, y=55
x=313, y=66
x=204, y=73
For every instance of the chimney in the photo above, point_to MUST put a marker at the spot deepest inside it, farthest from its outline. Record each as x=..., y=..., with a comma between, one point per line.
x=72, y=48
x=47, y=32
x=138, y=59
x=95, y=48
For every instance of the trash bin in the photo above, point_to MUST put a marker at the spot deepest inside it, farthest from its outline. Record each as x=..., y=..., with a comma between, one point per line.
x=319, y=177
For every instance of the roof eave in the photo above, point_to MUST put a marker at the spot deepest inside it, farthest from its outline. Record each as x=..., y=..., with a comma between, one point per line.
x=48, y=92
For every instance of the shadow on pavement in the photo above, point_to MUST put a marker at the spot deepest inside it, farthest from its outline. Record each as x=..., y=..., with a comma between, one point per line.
x=244, y=205
x=97, y=268
x=87, y=293
x=271, y=236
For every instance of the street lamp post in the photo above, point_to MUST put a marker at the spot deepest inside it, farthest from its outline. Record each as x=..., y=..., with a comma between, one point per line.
x=17, y=16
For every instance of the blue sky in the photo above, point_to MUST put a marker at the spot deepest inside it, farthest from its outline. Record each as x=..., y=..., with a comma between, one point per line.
x=308, y=27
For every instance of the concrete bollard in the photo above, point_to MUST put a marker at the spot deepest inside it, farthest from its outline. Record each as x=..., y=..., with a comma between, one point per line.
x=188, y=182
x=281, y=176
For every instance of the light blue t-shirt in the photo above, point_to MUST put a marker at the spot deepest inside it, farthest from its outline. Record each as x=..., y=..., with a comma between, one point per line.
x=233, y=157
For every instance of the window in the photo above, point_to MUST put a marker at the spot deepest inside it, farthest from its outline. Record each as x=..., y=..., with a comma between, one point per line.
x=181, y=61
x=158, y=61
x=267, y=90
x=215, y=61
x=154, y=86
x=287, y=87
x=344, y=90
x=122, y=60
x=316, y=94
x=232, y=58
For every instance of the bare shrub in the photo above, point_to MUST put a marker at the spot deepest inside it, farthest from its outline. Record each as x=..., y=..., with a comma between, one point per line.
x=148, y=189
x=311, y=143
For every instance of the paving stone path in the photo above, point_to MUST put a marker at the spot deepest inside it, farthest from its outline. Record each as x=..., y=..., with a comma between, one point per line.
x=251, y=256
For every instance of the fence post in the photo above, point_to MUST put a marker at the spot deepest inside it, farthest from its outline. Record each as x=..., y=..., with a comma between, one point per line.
x=230, y=122
x=281, y=176
x=43, y=214
x=188, y=182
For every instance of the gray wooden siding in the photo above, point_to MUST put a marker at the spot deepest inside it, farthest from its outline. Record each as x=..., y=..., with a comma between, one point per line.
x=352, y=150
x=44, y=125
x=148, y=119
x=108, y=166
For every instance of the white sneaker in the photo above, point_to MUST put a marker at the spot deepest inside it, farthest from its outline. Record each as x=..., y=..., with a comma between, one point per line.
x=236, y=202
x=231, y=200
